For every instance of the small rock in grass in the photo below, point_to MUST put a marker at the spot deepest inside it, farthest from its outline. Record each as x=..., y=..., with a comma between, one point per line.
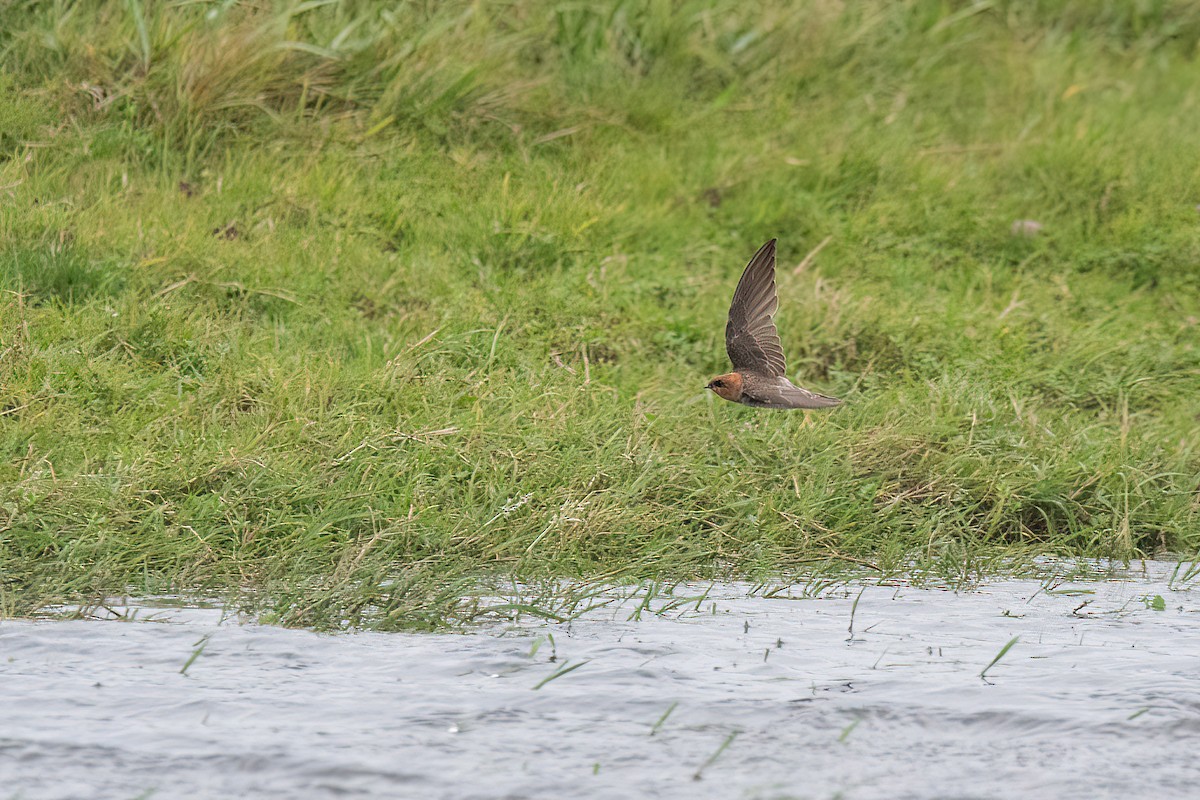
x=228, y=232
x=1026, y=227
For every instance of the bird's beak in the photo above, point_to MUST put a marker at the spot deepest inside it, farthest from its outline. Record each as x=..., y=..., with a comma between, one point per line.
x=708, y=385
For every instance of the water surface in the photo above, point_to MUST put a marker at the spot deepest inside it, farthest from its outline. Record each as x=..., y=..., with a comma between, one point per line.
x=1100, y=697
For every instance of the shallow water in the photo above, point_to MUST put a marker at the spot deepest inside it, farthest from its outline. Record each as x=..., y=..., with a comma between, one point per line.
x=1103, y=701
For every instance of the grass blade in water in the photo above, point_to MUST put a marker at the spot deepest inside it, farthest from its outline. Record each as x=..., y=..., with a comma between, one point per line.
x=712, y=759
x=563, y=670
x=999, y=656
x=663, y=718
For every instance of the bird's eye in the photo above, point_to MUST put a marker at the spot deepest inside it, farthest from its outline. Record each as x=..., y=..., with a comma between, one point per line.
x=719, y=384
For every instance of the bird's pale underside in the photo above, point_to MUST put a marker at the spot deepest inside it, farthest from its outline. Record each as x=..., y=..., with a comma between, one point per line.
x=759, y=367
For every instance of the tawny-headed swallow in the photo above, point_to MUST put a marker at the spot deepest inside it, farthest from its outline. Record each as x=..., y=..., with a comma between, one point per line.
x=754, y=348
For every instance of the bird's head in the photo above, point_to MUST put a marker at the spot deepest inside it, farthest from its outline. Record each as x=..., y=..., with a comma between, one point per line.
x=728, y=386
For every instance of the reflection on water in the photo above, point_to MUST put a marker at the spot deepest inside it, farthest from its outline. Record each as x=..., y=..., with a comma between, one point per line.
x=1100, y=697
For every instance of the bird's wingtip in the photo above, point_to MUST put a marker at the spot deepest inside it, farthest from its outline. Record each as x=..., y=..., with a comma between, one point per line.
x=768, y=249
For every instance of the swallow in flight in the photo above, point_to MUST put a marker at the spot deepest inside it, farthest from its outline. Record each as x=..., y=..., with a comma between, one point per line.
x=754, y=348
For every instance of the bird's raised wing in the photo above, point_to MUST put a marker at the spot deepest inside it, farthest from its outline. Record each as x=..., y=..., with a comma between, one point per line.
x=750, y=336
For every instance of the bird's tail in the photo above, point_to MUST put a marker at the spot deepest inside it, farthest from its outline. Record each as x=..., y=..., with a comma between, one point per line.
x=803, y=398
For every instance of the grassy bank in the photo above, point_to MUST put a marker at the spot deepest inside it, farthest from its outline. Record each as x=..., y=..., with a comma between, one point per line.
x=347, y=306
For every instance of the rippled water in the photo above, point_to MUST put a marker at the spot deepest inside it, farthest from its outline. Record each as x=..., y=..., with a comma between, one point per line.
x=1101, y=700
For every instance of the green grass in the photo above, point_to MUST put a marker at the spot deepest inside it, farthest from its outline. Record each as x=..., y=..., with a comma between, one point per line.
x=346, y=310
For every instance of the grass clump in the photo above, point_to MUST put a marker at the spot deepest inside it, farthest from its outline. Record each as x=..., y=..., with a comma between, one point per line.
x=344, y=308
